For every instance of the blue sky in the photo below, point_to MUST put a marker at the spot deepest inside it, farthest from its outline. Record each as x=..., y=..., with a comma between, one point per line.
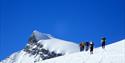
x=72, y=20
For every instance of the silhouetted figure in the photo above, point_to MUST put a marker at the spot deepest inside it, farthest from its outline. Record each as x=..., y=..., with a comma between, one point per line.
x=82, y=46
x=91, y=47
x=103, y=40
x=87, y=46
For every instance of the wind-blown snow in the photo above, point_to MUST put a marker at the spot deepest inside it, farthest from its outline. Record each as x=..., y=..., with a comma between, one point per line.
x=41, y=36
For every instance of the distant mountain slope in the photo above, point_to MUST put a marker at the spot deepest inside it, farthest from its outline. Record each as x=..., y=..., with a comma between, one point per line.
x=40, y=47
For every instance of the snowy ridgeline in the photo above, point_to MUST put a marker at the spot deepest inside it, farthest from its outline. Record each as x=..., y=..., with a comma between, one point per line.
x=43, y=48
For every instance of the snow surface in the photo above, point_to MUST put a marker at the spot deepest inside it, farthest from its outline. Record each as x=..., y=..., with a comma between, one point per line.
x=60, y=46
x=113, y=53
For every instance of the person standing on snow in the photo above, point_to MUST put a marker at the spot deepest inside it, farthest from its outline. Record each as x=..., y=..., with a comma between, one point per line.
x=103, y=40
x=87, y=46
x=82, y=46
x=91, y=47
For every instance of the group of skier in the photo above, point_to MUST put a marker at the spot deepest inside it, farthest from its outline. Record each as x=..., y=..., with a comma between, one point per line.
x=90, y=45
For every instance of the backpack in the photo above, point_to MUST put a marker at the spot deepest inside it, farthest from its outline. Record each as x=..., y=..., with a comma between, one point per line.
x=82, y=44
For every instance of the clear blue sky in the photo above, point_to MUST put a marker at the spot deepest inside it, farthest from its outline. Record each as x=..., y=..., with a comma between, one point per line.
x=73, y=20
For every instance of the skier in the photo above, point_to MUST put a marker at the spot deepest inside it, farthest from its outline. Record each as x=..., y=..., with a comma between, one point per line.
x=87, y=46
x=82, y=46
x=103, y=40
x=91, y=47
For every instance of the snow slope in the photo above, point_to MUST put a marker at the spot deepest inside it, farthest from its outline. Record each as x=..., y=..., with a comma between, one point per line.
x=113, y=53
x=60, y=46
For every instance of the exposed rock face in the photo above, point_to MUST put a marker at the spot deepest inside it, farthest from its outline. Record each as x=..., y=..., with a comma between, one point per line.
x=35, y=48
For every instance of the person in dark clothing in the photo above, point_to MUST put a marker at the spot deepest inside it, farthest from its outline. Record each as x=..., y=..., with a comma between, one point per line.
x=103, y=40
x=87, y=46
x=82, y=46
x=91, y=47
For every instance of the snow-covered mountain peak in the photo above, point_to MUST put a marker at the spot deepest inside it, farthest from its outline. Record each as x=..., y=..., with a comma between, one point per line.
x=40, y=36
x=40, y=47
x=53, y=44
